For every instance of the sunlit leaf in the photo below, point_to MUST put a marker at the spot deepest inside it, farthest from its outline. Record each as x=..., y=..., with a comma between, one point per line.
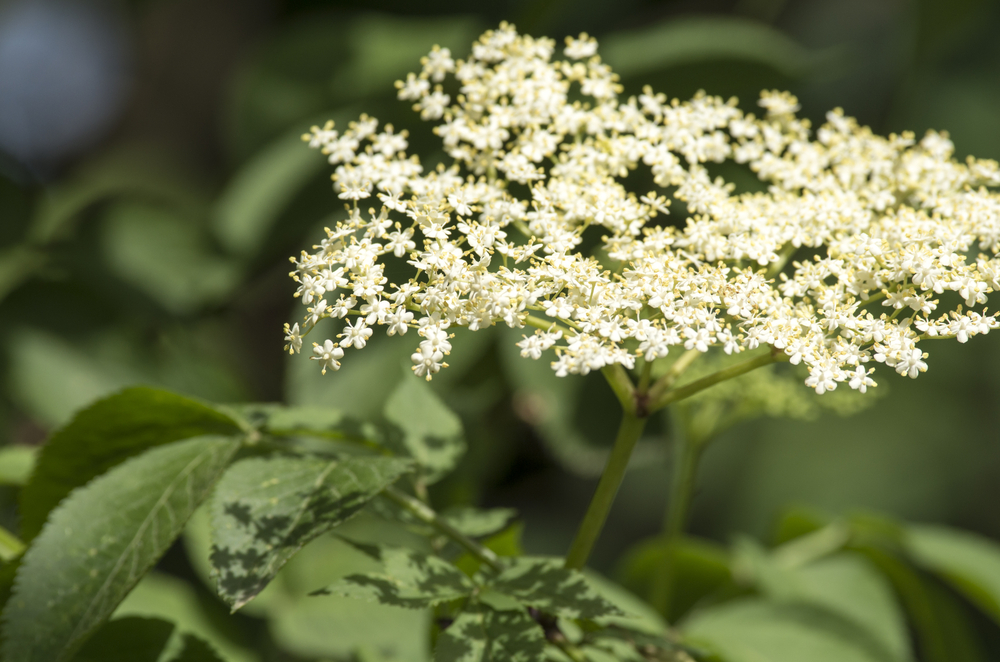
x=100, y=541
x=409, y=579
x=316, y=421
x=752, y=630
x=332, y=627
x=476, y=522
x=545, y=584
x=429, y=432
x=16, y=464
x=845, y=584
x=266, y=509
x=481, y=634
x=106, y=433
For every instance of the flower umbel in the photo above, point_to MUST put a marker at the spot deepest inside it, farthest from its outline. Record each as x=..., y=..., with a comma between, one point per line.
x=861, y=247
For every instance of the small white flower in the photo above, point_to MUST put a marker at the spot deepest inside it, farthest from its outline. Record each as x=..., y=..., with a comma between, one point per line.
x=427, y=362
x=356, y=334
x=848, y=224
x=328, y=355
x=582, y=47
x=293, y=338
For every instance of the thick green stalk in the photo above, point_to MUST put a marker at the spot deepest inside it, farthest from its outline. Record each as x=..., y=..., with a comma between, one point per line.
x=637, y=405
x=426, y=514
x=687, y=452
x=614, y=471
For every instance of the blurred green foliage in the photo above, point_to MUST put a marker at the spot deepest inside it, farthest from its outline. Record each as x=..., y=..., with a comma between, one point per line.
x=160, y=257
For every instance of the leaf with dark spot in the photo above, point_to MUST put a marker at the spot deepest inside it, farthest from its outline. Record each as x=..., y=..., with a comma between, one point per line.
x=107, y=433
x=545, y=584
x=101, y=540
x=481, y=634
x=266, y=509
x=410, y=579
x=425, y=429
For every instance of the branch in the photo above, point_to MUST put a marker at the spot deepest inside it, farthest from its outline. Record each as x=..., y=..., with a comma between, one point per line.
x=427, y=515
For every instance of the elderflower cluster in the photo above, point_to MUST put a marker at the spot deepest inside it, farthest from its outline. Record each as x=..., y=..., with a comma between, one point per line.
x=861, y=247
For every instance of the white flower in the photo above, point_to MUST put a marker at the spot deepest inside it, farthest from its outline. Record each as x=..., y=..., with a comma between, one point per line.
x=849, y=254
x=583, y=47
x=293, y=338
x=328, y=355
x=427, y=362
x=356, y=334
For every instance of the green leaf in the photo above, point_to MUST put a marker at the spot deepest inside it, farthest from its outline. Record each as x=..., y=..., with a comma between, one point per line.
x=409, y=579
x=480, y=634
x=16, y=464
x=266, y=509
x=429, y=432
x=544, y=583
x=133, y=174
x=107, y=433
x=702, y=39
x=847, y=585
x=50, y=378
x=360, y=387
x=970, y=563
x=163, y=596
x=282, y=421
x=7, y=573
x=11, y=547
x=476, y=522
x=505, y=543
x=701, y=570
x=384, y=48
x=167, y=256
x=944, y=632
x=637, y=615
x=627, y=645
x=18, y=264
x=260, y=190
x=101, y=540
x=333, y=627
x=753, y=630
x=134, y=639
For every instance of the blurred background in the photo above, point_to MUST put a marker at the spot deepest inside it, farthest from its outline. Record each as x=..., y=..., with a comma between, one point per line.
x=153, y=185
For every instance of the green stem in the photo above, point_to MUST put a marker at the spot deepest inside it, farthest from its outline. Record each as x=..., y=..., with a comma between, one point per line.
x=662, y=399
x=619, y=381
x=546, y=324
x=687, y=452
x=427, y=515
x=10, y=546
x=787, y=251
x=676, y=370
x=600, y=505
